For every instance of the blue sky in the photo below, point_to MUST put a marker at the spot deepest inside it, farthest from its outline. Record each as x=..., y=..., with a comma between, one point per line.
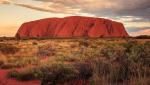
x=135, y=14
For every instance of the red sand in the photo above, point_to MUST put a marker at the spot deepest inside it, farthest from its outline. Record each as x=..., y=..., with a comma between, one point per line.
x=74, y=26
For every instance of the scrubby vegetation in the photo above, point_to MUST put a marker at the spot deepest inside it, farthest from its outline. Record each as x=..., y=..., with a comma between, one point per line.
x=8, y=48
x=143, y=37
x=23, y=75
x=54, y=73
x=101, y=61
x=124, y=63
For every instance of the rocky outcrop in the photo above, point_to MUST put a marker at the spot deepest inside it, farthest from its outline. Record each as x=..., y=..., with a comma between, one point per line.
x=69, y=27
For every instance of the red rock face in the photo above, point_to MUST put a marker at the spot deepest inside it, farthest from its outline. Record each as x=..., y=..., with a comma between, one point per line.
x=69, y=27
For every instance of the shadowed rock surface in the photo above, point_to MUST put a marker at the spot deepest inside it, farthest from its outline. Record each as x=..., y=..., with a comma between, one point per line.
x=70, y=27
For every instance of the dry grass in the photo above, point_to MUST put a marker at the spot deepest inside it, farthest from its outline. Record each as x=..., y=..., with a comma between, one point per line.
x=111, y=61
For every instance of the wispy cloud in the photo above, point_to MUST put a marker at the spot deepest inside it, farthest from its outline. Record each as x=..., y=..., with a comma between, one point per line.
x=111, y=8
x=5, y=2
x=45, y=7
x=51, y=8
x=141, y=32
x=108, y=7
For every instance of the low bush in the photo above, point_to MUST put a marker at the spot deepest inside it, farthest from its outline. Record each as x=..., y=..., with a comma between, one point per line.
x=46, y=50
x=8, y=48
x=143, y=37
x=8, y=66
x=1, y=63
x=58, y=73
x=23, y=75
x=70, y=58
x=17, y=62
x=123, y=62
x=85, y=70
x=13, y=74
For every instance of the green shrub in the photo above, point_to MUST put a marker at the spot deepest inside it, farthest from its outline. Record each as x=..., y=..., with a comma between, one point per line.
x=143, y=37
x=85, y=70
x=110, y=71
x=26, y=75
x=22, y=61
x=23, y=76
x=138, y=58
x=112, y=51
x=13, y=74
x=118, y=73
x=123, y=62
x=101, y=68
x=58, y=73
x=68, y=58
x=46, y=50
x=8, y=66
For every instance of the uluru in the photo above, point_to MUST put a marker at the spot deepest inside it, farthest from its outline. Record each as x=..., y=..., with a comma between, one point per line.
x=71, y=27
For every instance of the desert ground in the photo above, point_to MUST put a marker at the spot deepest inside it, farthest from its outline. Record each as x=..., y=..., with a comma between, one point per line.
x=102, y=61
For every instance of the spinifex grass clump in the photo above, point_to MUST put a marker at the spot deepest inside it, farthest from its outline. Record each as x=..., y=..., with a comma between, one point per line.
x=19, y=62
x=8, y=48
x=58, y=73
x=23, y=76
x=46, y=50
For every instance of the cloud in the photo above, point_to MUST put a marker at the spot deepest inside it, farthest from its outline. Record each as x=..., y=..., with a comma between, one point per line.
x=100, y=8
x=135, y=8
x=54, y=8
x=141, y=32
x=109, y=7
x=4, y=2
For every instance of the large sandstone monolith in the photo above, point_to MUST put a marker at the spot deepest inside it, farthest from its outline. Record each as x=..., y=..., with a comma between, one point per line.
x=71, y=27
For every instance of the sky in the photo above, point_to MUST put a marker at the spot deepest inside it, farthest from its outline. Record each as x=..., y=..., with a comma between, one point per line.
x=134, y=14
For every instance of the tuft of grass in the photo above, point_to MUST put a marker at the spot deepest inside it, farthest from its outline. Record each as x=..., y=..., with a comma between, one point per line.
x=68, y=58
x=13, y=74
x=8, y=66
x=46, y=50
x=23, y=76
x=8, y=48
x=58, y=73
x=1, y=63
x=17, y=62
